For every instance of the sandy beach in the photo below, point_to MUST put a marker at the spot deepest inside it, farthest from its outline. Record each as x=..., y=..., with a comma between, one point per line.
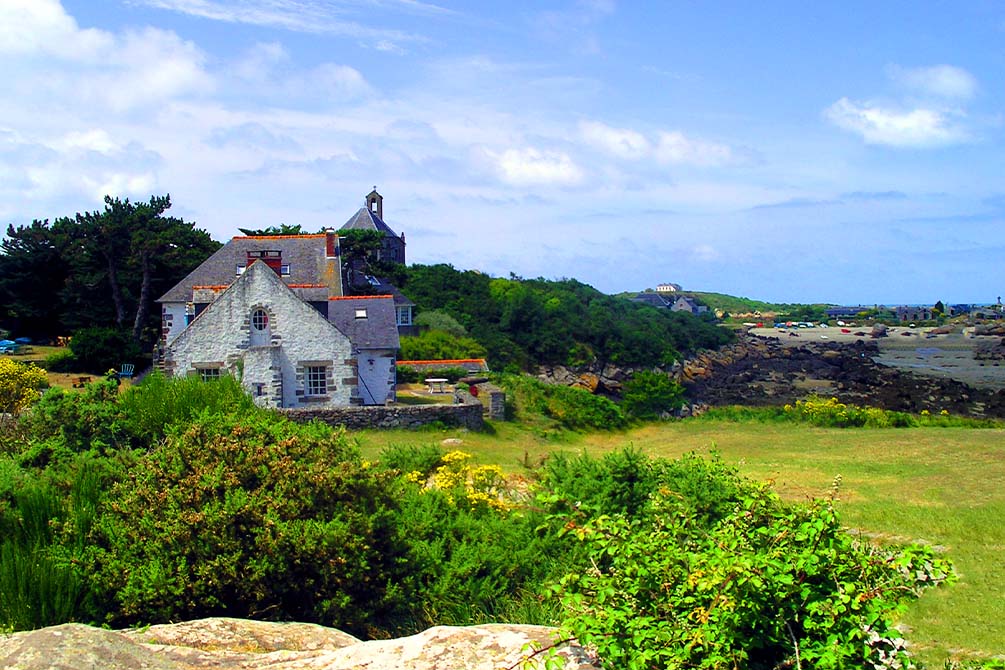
x=913, y=349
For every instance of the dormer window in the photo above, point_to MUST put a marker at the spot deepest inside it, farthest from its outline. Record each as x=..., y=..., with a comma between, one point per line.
x=361, y=312
x=284, y=270
x=240, y=270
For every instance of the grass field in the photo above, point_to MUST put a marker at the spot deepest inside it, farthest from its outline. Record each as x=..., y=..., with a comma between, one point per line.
x=941, y=486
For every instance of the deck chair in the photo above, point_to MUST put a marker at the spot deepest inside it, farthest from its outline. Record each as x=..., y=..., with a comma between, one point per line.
x=127, y=371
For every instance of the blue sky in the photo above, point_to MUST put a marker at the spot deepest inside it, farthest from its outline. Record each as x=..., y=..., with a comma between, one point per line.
x=839, y=152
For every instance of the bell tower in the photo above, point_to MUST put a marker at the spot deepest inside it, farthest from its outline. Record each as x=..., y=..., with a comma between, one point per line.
x=375, y=203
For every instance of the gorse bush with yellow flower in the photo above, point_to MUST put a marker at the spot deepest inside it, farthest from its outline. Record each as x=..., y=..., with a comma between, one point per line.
x=20, y=385
x=832, y=413
x=464, y=483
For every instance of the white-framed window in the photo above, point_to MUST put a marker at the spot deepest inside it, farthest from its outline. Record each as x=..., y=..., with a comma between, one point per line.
x=239, y=271
x=259, y=319
x=208, y=374
x=284, y=269
x=361, y=312
x=316, y=380
x=404, y=315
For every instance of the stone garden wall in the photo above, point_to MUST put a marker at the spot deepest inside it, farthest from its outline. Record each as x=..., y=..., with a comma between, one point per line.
x=466, y=412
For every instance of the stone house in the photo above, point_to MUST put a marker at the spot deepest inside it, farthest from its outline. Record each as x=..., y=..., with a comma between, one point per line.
x=687, y=304
x=271, y=311
x=907, y=313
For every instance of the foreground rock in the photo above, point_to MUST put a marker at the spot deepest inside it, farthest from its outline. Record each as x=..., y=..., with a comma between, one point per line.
x=235, y=644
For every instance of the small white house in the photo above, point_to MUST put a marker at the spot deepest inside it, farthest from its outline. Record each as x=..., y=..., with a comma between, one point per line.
x=269, y=310
x=285, y=353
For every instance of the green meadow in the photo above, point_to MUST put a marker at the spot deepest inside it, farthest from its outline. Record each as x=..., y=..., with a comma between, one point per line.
x=936, y=485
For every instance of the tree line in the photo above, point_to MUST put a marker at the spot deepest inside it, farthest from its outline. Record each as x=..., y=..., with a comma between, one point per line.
x=526, y=322
x=97, y=269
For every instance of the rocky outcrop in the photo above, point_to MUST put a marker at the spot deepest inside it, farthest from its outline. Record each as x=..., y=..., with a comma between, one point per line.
x=762, y=371
x=235, y=644
x=992, y=329
x=990, y=349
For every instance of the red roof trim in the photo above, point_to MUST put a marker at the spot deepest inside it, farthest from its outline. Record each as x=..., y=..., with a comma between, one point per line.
x=214, y=287
x=280, y=237
x=360, y=297
x=308, y=285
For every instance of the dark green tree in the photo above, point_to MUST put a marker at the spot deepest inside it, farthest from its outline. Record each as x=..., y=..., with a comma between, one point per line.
x=101, y=268
x=32, y=276
x=271, y=231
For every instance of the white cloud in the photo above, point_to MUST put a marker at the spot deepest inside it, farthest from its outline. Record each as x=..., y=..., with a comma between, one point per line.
x=30, y=27
x=914, y=128
x=121, y=185
x=306, y=16
x=95, y=139
x=675, y=147
x=530, y=166
x=335, y=80
x=51, y=61
x=260, y=60
x=620, y=142
x=943, y=81
x=150, y=66
x=669, y=147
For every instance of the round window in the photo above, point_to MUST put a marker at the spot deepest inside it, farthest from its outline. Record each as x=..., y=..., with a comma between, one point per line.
x=259, y=319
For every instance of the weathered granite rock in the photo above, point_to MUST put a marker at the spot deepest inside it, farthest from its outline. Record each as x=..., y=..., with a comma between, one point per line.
x=234, y=644
x=989, y=329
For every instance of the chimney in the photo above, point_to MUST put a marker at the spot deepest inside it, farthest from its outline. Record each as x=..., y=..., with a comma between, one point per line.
x=331, y=243
x=274, y=259
x=333, y=264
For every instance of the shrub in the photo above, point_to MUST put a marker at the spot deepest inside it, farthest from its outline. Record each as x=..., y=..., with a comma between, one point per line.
x=624, y=481
x=436, y=345
x=20, y=385
x=61, y=361
x=251, y=516
x=570, y=408
x=410, y=458
x=410, y=375
x=65, y=422
x=649, y=395
x=98, y=349
x=768, y=586
x=472, y=562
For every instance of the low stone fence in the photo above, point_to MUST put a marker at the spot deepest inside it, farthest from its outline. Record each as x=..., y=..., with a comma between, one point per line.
x=466, y=412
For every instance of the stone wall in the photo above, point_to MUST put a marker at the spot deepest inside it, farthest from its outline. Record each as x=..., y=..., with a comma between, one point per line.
x=466, y=412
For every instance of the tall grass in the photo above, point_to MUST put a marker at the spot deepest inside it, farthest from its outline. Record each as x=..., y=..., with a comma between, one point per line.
x=44, y=536
x=158, y=402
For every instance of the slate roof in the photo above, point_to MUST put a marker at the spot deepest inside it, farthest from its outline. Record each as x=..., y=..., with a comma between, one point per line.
x=364, y=219
x=652, y=299
x=377, y=331
x=305, y=254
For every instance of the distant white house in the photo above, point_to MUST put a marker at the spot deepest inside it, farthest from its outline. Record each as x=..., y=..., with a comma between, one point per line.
x=668, y=288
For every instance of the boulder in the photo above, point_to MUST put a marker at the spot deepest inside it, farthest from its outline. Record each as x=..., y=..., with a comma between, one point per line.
x=235, y=644
x=878, y=330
